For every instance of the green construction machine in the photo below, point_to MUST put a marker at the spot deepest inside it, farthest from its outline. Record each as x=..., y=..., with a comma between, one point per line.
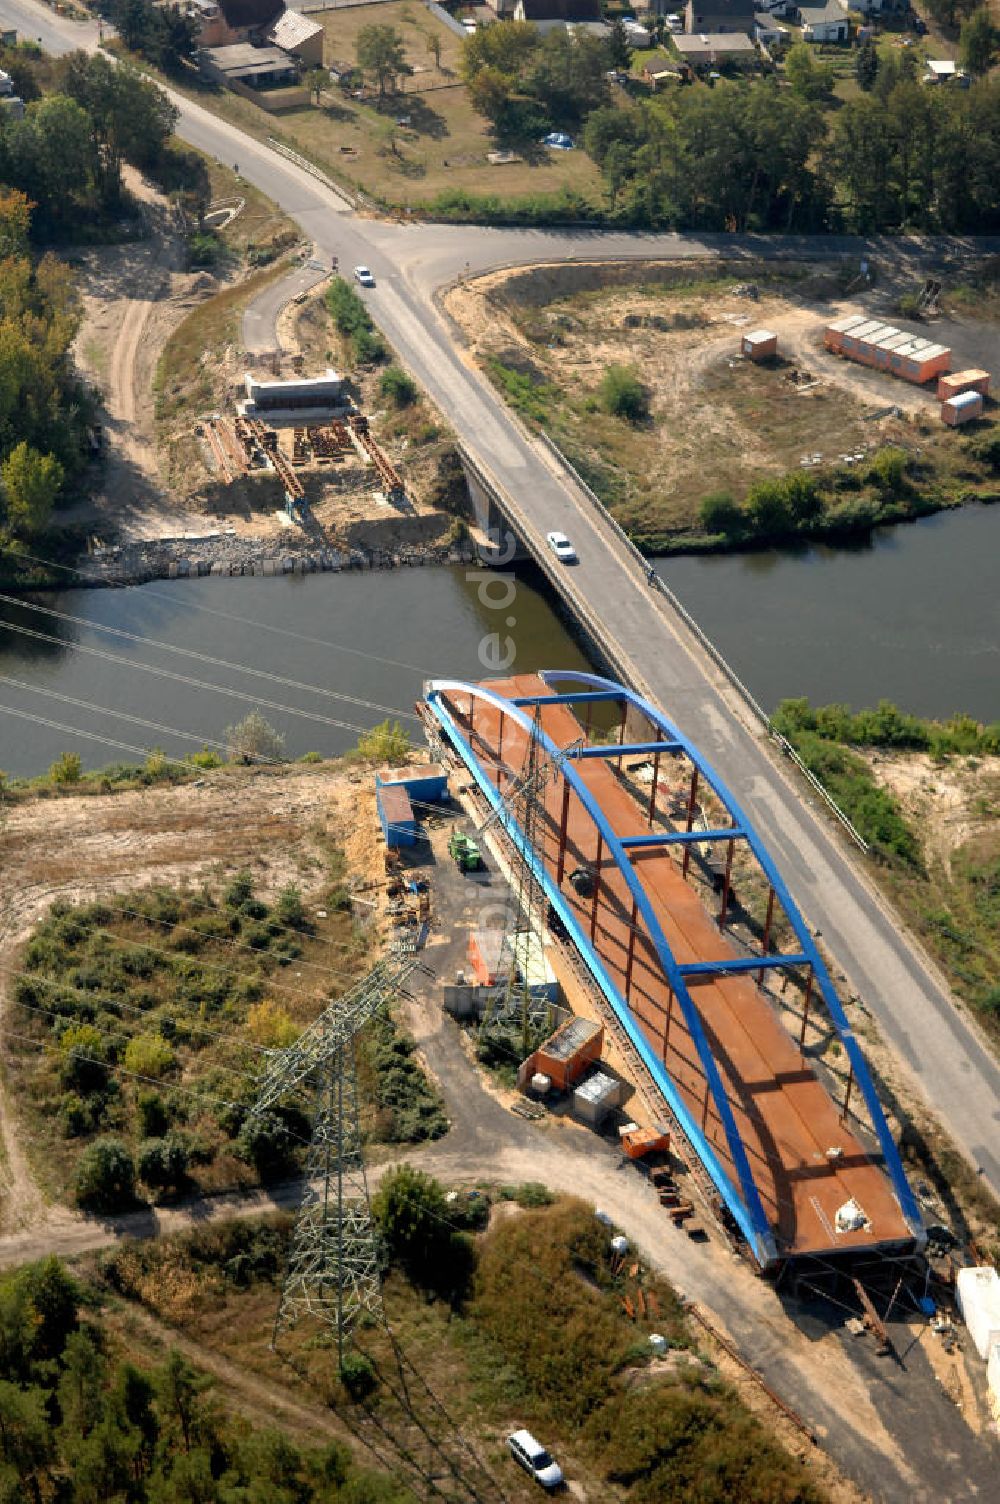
x=465, y=852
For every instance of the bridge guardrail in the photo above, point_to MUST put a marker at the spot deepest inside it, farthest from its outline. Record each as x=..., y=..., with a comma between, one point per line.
x=639, y=560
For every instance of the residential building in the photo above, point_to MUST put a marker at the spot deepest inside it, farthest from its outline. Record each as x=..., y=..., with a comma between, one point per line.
x=300, y=36
x=709, y=50
x=545, y=14
x=827, y=23
x=708, y=16
x=226, y=22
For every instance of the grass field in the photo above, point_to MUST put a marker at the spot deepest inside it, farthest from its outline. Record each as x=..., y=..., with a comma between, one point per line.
x=443, y=148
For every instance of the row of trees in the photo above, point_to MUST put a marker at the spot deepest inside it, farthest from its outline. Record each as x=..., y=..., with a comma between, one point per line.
x=60, y=167
x=753, y=156
x=165, y=34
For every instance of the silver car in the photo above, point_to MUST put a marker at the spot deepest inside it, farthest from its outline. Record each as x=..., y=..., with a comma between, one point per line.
x=364, y=276
x=534, y=1459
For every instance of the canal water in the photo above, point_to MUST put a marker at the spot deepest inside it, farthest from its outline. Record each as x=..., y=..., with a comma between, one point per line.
x=913, y=616
x=372, y=638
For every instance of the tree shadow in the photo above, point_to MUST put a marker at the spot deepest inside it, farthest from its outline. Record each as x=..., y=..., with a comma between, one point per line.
x=421, y=119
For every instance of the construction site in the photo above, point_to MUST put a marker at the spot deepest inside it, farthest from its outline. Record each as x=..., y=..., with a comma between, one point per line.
x=292, y=428
x=708, y=977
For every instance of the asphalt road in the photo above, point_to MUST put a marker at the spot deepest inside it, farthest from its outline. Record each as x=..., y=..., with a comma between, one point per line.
x=937, y=1043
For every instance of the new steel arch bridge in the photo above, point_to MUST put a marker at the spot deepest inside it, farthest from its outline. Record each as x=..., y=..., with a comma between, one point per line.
x=686, y=985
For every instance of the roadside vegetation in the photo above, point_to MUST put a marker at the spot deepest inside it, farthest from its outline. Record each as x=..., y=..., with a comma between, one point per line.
x=926, y=795
x=582, y=1377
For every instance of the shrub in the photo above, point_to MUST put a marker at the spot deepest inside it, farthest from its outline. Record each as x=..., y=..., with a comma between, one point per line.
x=105, y=1176
x=267, y=1143
x=887, y=471
x=254, y=740
x=358, y=1376
x=387, y=743
x=768, y=509
x=240, y=890
x=719, y=513
x=623, y=394
x=163, y=1163
x=398, y=386
x=67, y=768
x=290, y=909
x=531, y=1193
x=148, y=1055
x=269, y=1025
x=414, y=1216
x=154, y=1117
x=83, y=1051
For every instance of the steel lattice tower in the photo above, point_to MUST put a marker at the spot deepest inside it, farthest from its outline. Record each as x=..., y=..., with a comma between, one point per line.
x=332, y=1272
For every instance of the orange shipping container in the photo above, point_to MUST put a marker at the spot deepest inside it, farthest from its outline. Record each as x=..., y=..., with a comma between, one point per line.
x=566, y=1056
x=963, y=381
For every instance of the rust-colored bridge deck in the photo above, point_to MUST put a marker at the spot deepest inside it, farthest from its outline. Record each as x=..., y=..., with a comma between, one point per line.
x=787, y=1120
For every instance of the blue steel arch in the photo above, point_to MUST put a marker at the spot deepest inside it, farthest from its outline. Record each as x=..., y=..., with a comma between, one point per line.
x=862, y=1076
x=745, y=1203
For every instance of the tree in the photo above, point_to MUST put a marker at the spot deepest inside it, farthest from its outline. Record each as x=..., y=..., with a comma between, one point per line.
x=254, y=740
x=317, y=79
x=105, y=1176
x=977, y=44
x=55, y=1298
x=719, y=513
x=179, y=1387
x=623, y=394
x=15, y=223
x=173, y=37
x=67, y=768
x=387, y=743
x=133, y=22
x=768, y=509
x=417, y=1225
x=149, y=1056
x=809, y=79
x=81, y=1384
x=380, y=50
x=31, y=483
x=866, y=65
x=619, y=49
x=26, y=1440
x=434, y=48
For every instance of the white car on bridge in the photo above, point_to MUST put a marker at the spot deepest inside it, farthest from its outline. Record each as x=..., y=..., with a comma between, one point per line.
x=561, y=547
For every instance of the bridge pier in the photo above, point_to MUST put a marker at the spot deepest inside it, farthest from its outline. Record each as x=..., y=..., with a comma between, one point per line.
x=497, y=542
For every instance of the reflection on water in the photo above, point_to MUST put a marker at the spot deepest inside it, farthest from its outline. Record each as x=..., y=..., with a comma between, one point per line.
x=372, y=638
x=910, y=615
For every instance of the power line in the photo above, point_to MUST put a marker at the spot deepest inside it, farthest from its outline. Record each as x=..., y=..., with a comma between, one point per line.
x=241, y=668
x=246, y=621
x=123, y=715
x=166, y=673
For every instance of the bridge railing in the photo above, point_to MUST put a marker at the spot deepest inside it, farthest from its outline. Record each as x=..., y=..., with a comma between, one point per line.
x=641, y=563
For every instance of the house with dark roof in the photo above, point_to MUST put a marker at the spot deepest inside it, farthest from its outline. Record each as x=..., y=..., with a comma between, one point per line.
x=223, y=23
x=565, y=12
x=707, y=16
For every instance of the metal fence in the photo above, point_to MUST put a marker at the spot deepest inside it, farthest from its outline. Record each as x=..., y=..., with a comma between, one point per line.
x=760, y=714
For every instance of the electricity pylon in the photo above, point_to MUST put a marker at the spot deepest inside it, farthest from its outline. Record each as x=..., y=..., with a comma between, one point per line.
x=332, y=1273
x=524, y=806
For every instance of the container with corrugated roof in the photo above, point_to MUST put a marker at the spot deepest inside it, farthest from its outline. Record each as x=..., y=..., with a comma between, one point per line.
x=598, y=1095
x=871, y=342
x=567, y=1054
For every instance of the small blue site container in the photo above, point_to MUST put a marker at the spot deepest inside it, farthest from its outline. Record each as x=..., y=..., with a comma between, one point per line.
x=425, y=784
x=395, y=813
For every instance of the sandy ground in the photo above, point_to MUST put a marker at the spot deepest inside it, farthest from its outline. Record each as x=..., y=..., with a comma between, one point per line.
x=133, y=296
x=951, y=802
x=716, y=422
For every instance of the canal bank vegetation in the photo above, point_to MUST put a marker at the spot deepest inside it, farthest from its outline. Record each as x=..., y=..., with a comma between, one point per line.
x=635, y=372
x=636, y=1427
x=926, y=795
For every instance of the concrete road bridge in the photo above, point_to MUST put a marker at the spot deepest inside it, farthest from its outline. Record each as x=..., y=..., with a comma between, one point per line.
x=649, y=645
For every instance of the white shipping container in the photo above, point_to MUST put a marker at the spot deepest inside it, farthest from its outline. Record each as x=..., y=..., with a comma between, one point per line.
x=978, y=1295
x=993, y=1378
